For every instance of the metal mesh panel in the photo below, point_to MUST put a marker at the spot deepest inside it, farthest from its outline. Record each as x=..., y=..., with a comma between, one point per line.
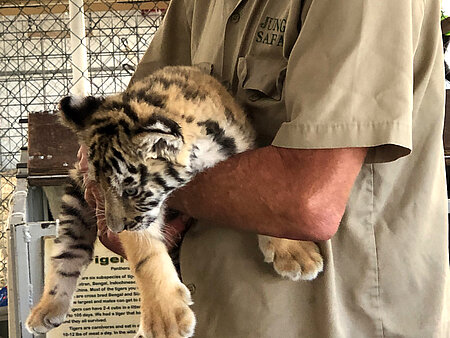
x=36, y=65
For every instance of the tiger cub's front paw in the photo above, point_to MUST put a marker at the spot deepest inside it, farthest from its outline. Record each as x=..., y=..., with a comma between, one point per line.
x=168, y=314
x=292, y=259
x=48, y=314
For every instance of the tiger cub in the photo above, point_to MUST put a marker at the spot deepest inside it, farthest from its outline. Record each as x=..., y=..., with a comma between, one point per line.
x=143, y=144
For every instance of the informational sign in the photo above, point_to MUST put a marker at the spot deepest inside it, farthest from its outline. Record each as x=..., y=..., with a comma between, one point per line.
x=106, y=302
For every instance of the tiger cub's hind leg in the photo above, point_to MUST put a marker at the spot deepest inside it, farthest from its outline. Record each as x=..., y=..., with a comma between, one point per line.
x=296, y=260
x=72, y=252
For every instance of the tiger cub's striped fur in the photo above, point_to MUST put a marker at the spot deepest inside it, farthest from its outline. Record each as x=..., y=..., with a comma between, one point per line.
x=144, y=143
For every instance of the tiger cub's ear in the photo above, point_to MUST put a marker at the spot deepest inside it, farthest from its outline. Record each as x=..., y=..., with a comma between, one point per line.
x=159, y=137
x=77, y=111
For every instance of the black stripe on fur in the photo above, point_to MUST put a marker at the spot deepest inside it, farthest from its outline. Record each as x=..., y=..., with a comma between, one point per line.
x=189, y=92
x=161, y=182
x=98, y=121
x=68, y=232
x=128, y=180
x=140, y=264
x=66, y=221
x=132, y=169
x=172, y=172
x=92, y=152
x=118, y=154
x=67, y=255
x=115, y=164
x=75, y=274
x=143, y=171
x=151, y=98
x=228, y=145
x=81, y=246
x=71, y=211
x=130, y=112
x=142, y=208
x=153, y=204
x=74, y=190
x=148, y=126
x=126, y=128
x=107, y=129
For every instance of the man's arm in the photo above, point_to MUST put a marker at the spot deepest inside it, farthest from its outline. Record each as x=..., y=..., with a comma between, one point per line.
x=290, y=193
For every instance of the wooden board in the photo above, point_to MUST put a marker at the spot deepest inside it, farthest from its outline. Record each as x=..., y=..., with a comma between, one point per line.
x=52, y=149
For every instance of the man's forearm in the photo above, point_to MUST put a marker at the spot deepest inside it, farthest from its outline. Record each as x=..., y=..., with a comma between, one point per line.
x=291, y=193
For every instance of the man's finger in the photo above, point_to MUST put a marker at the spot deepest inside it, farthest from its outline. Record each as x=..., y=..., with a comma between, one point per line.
x=82, y=156
x=89, y=195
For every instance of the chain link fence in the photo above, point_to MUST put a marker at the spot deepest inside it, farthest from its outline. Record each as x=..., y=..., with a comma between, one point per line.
x=36, y=65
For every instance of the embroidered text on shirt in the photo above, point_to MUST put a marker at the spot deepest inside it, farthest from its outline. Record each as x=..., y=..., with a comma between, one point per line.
x=272, y=33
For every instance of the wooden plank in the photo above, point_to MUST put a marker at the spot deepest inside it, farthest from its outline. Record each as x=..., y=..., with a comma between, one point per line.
x=56, y=7
x=52, y=149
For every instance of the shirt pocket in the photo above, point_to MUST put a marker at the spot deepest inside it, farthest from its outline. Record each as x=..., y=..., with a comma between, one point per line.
x=260, y=93
x=261, y=77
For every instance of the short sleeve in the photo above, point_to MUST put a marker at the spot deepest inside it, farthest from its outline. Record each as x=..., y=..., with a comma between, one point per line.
x=349, y=79
x=171, y=44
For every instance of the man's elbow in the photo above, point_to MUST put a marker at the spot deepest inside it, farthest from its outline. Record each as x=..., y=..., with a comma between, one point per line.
x=316, y=225
x=323, y=228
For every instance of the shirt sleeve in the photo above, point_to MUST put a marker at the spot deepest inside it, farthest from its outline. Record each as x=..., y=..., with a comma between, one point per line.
x=171, y=44
x=349, y=79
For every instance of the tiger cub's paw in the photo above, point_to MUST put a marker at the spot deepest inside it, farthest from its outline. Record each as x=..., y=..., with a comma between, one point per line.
x=292, y=259
x=48, y=314
x=168, y=315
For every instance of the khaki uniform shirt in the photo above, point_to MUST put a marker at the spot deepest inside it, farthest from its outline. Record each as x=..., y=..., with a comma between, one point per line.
x=327, y=74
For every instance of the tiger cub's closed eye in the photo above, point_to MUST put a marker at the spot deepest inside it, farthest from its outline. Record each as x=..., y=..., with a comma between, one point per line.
x=130, y=192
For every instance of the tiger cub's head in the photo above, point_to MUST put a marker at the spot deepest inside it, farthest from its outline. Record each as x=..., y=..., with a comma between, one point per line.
x=137, y=157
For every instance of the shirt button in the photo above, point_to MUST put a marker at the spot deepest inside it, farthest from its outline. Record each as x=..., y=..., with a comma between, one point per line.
x=235, y=18
x=191, y=287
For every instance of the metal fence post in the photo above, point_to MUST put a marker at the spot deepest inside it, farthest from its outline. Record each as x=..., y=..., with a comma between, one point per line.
x=78, y=47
